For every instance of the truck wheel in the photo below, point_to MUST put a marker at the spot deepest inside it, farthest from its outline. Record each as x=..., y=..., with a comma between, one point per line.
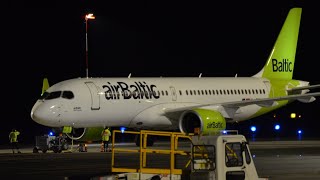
x=44, y=150
x=35, y=150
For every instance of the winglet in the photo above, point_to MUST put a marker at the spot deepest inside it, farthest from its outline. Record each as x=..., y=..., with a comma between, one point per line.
x=45, y=85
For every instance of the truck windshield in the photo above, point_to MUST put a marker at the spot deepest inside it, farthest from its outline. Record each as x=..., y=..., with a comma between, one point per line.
x=233, y=154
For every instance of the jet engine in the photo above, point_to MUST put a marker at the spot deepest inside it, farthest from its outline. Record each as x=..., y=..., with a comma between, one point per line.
x=208, y=121
x=86, y=134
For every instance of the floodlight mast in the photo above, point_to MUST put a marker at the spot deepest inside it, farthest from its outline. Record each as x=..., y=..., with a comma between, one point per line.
x=87, y=17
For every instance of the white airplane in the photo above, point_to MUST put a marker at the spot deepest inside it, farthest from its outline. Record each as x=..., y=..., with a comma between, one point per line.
x=202, y=103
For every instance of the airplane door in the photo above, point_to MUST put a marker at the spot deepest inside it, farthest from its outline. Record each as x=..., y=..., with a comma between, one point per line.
x=173, y=92
x=95, y=99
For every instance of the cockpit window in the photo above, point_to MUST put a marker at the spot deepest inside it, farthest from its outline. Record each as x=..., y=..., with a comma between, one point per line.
x=44, y=95
x=53, y=95
x=67, y=94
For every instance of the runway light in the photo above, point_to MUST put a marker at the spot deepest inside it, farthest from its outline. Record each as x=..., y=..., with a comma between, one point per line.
x=293, y=115
x=253, y=128
x=277, y=127
x=224, y=132
x=299, y=131
x=122, y=129
x=51, y=133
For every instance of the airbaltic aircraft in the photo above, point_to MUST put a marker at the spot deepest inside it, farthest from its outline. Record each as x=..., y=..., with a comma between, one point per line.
x=206, y=103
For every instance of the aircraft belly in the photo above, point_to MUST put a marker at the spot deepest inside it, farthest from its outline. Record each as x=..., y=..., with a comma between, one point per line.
x=152, y=118
x=246, y=112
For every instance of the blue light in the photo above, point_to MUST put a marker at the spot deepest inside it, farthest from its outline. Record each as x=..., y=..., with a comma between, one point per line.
x=277, y=127
x=50, y=133
x=122, y=129
x=299, y=131
x=224, y=132
x=253, y=128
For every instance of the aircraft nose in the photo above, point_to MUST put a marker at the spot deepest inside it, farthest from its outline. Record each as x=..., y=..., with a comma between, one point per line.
x=36, y=114
x=42, y=114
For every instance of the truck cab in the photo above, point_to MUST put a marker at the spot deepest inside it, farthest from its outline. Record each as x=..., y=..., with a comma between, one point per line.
x=222, y=157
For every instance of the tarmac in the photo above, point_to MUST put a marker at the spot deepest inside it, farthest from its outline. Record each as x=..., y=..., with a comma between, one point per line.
x=273, y=159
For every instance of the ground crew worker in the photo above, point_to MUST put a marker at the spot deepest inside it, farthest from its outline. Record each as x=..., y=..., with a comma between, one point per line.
x=13, y=137
x=105, y=136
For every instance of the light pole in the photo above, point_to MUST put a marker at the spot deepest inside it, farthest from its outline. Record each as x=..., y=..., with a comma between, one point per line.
x=87, y=17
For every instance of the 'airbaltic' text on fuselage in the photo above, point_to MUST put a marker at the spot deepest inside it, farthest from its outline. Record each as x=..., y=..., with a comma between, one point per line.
x=281, y=66
x=137, y=90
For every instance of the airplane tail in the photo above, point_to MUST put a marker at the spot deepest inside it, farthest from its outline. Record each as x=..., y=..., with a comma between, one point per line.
x=45, y=85
x=280, y=63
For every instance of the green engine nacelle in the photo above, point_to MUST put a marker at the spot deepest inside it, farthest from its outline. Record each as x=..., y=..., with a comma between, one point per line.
x=208, y=121
x=86, y=134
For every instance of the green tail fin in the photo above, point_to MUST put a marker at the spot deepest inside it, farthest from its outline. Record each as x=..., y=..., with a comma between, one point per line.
x=280, y=63
x=45, y=85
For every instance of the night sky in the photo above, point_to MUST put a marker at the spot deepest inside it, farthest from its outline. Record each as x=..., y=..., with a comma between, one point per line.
x=148, y=38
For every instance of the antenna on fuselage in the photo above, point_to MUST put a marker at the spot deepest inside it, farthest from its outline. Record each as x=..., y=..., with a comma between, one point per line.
x=129, y=76
x=200, y=75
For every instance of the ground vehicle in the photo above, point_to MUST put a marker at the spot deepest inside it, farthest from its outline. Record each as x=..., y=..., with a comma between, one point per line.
x=47, y=142
x=212, y=157
x=222, y=157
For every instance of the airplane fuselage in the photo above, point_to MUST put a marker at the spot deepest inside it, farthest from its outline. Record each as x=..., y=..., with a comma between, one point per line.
x=133, y=102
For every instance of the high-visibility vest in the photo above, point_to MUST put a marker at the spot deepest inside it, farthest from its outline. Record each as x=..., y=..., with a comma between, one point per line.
x=13, y=136
x=105, y=135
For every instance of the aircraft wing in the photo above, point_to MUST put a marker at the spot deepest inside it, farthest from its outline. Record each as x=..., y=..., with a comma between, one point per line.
x=265, y=102
x=304, y=88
